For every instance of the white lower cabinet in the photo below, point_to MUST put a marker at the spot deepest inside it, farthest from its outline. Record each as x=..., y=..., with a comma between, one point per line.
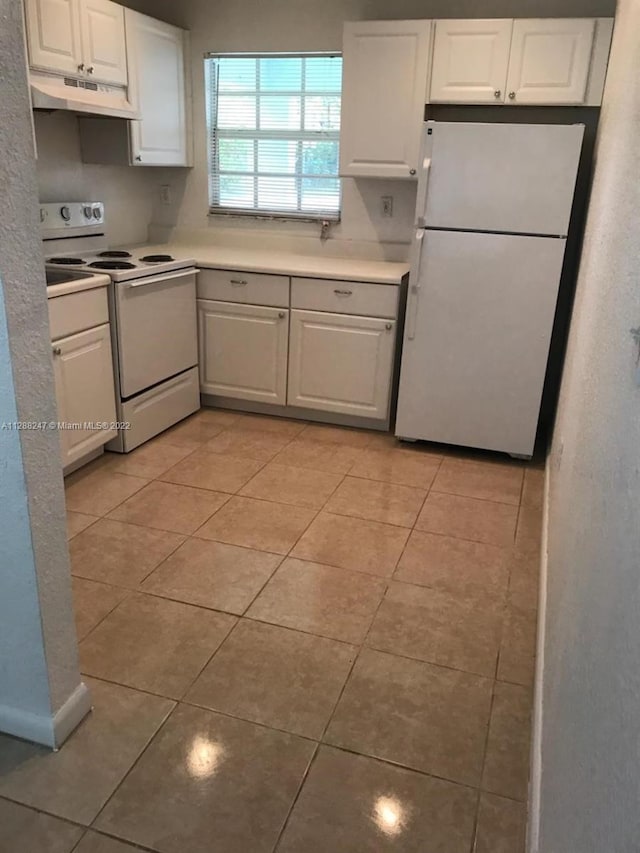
x=83, y=372
x=341, y=363
x=326, y=352
x=243, y=351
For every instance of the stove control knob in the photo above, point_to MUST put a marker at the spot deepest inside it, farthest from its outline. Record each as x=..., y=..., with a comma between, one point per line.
x=88, y=213
x=97, y=213
x=43, y=214
x=65, y=213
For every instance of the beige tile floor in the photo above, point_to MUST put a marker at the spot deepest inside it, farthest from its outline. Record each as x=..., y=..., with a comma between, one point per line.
x=298, y=638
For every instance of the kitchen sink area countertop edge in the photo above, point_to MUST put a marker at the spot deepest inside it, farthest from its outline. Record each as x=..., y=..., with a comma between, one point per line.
x=285, y=263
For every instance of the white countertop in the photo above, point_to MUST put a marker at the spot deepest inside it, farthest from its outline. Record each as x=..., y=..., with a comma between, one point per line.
x=89, y=283
x=284, y=263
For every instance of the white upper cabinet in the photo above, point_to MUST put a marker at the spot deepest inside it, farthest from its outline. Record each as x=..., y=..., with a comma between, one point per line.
x=78, y=37
x=470, y=61
x=53, y=28
x=384, y=89
x=550, y=60
x=103, y=41
x=157, y=89
x=526, y=61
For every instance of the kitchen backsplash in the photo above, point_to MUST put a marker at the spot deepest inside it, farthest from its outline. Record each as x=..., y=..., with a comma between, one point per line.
x=131, y=195
x=133, y=201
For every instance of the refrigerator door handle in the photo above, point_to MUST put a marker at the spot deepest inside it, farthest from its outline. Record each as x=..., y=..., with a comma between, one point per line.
x=414, y=287
x=423, y=186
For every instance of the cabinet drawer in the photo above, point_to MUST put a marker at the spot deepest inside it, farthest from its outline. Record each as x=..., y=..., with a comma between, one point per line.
x=344, y=297
x=248, y=287
x=75, y=312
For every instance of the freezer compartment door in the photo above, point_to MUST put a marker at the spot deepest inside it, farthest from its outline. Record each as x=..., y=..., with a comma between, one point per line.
x=516, y=178
x=475, y=350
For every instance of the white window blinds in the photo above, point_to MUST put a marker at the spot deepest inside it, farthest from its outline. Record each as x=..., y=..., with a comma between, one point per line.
x=274, y=125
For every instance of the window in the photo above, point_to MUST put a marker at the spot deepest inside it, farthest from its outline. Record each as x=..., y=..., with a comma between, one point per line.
x=274, y=126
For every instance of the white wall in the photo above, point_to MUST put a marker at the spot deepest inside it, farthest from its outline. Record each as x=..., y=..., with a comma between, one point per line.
x=131, y=195
x=41, y=695
x=281, y=25
x=591, y=689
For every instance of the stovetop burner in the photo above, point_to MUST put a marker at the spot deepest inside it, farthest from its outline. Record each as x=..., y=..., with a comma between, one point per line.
x=112, y=265
x=68, y=262
x=157, y=259
x=114, y=253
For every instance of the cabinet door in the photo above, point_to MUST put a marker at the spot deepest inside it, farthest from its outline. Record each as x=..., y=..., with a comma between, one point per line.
x=549, y=62
x=103, y=41
x=340, y=363
x=157, y=89
x=470, y=61
x=243, y=351
x=53, y=31
x=83, y=372
x=384, y=87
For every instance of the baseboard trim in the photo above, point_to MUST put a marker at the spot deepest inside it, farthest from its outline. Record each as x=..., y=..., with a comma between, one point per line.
x=46, y=730
x=215, y=401
x=72, y=713
x=535, y=781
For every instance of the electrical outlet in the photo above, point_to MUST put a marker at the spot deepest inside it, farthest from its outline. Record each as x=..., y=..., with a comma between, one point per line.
x=165, y=193
x=387, y=205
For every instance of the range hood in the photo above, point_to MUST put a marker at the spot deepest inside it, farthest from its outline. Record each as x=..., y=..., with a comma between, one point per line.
x=50, y=92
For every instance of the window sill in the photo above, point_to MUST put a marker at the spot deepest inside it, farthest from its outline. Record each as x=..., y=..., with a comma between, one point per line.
x=215, y=212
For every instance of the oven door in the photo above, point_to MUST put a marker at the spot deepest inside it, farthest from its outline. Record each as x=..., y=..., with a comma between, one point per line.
x=156, y=329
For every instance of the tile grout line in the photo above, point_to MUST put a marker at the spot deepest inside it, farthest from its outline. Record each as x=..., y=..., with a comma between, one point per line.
x=243, y=615
x=90, y=525
x=100, y=621
x=39, y=810
x=321, y=740
x=308, y=633
x=104, y=834
x=304, y=778
x=484, y=758
x=125, y=776
x=119, y=504
x=240, y=616
x=360, y=646
x=191, y=536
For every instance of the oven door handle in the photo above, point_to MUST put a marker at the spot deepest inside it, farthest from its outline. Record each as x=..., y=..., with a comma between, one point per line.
x=158, y=279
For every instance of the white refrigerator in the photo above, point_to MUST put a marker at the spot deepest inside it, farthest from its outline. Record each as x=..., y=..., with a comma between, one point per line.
x=492, y=215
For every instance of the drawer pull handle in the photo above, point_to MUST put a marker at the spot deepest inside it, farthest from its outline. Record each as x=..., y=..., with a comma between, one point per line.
x=339, y=292
x=388, y=326
x=239, y=282
x=57, y=351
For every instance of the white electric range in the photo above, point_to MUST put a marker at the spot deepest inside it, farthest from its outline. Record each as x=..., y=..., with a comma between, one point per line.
x=152, y=309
